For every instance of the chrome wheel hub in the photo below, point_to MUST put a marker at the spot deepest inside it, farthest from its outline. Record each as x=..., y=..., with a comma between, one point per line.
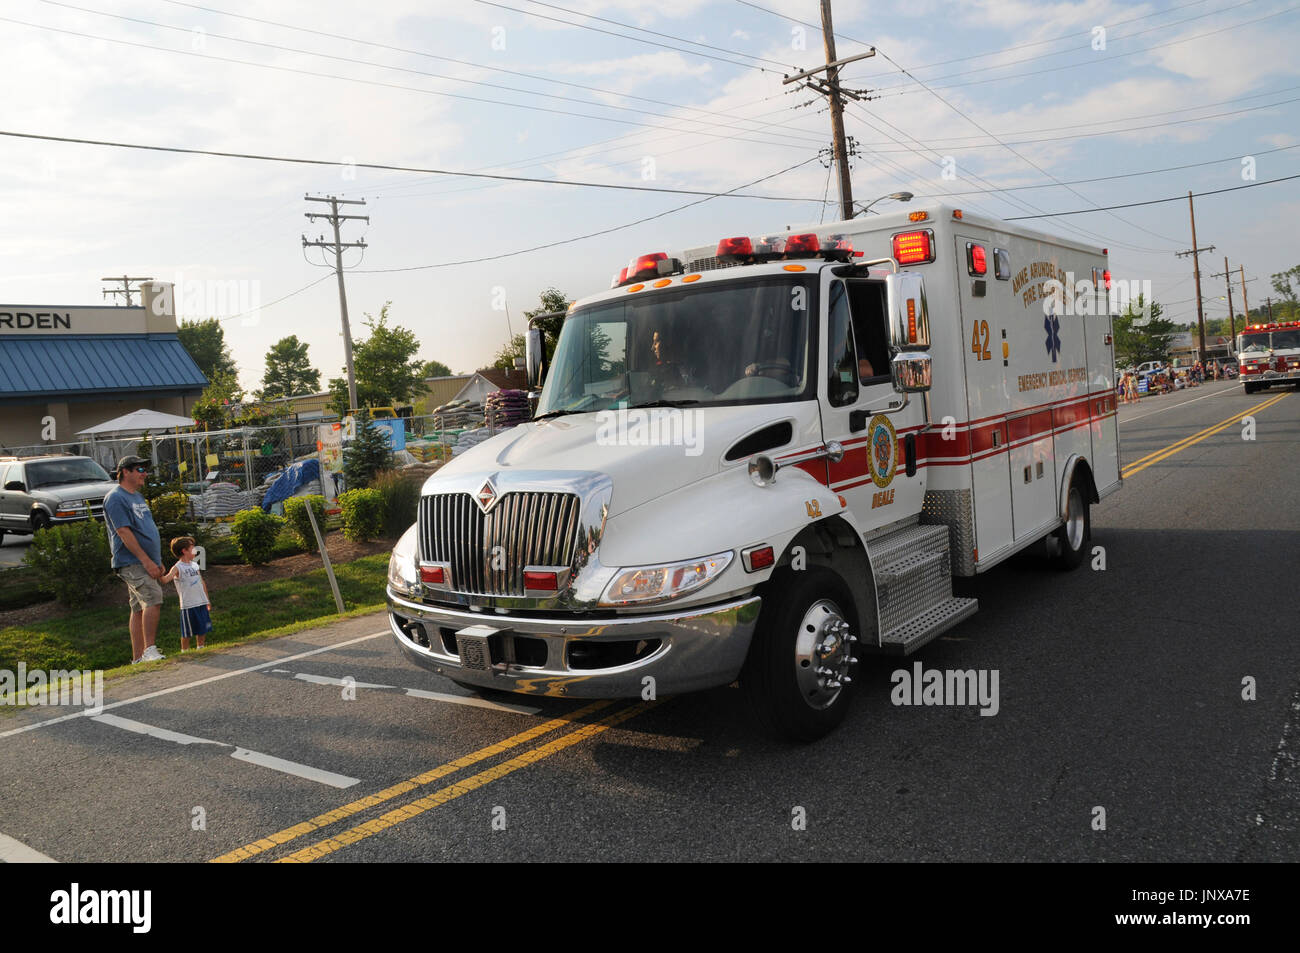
x=1074, y=521
x=823, y=654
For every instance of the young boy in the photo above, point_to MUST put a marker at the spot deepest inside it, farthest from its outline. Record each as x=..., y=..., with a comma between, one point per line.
x=193, y=592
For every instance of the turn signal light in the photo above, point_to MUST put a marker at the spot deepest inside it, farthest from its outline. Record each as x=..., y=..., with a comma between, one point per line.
x=546, y=581
x=433, y=574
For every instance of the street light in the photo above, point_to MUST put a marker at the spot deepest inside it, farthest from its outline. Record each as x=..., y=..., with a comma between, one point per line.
x=896, y=196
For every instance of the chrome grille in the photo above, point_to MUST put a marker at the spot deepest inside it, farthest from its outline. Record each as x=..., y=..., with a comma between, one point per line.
x=532, y=529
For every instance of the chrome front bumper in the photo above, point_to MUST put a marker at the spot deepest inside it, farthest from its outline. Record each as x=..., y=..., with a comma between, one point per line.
x=697, y=648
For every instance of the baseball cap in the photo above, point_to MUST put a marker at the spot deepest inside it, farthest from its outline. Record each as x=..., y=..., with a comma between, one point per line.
x=130, y=460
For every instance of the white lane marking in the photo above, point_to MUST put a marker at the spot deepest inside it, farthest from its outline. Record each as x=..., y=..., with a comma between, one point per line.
x=196, y=683
x=16, y=852
x=338, y=682
x=162, y=734
x=239, y=754
x=294, y=768
x=1182, y=403
x=472, y=700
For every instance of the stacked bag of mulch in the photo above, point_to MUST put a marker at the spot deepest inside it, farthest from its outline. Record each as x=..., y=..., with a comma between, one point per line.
x=505, y=408
x=470, y=438
x=224, y=499
x=458, y=414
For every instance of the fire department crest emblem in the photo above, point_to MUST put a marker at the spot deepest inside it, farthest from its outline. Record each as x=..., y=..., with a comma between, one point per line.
x=882, y=443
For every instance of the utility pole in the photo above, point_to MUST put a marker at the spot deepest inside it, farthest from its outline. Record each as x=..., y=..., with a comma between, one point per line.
x=126, y=290
x=1227, y=280
x=338, y=245
x=1244, y=306
x=1195, y=252
x=1269, y=301
x=831, y=89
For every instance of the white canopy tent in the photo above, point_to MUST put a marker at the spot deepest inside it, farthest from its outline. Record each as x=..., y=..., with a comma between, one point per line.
x=109, y=440
x=137, y=422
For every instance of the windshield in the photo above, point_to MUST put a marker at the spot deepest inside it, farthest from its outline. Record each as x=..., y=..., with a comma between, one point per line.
x=75, y=470
x=726, y=343
x=1253, y=342
x=1290, y=338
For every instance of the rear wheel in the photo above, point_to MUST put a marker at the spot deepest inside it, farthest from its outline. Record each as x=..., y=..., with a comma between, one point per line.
x=798, y=677
x=1069, y=544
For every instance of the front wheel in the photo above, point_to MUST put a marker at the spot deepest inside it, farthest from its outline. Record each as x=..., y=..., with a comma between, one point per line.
x=40, y=521
x=1069, y=544
x=798, y=676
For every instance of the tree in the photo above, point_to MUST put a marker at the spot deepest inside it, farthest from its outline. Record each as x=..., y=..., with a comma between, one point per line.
x=1141, y=334
x=550, y=301
x=434, y=369
x=213, y=408
x=206, y=343
x=367, y=454
x=288, y=370
x=386, y=370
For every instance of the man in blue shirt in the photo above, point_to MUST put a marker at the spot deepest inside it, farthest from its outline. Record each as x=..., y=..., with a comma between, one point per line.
x=137, y=554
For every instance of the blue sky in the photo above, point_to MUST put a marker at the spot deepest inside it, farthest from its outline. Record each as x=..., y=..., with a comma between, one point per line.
x=1208, y=84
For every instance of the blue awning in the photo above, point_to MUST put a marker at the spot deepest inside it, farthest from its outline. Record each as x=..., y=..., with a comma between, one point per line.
x=53, y=367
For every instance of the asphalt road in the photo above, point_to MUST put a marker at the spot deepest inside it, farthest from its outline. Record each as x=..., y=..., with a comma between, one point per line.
x=1121, y=689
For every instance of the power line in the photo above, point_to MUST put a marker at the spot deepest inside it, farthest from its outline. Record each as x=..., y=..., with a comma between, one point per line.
x=666, y=36
x=1176, y=198
x=578, y=238
x=447, y=59
x=369, y=82
x=1122, y=175
x=900, y=91
x=624, y=36
x=397, y=168
x=282, y=298
x=402, y=69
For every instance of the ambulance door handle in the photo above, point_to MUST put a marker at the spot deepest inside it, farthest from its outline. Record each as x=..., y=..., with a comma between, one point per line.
x=857, y=420
x=909, y=454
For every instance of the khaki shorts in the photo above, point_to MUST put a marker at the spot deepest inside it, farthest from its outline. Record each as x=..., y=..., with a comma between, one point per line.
x=142, y=589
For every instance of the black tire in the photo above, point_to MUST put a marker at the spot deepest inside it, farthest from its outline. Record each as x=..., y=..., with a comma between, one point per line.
x=771, y=680
x=40, y=521
x=1248, y=388
x=1069, y=544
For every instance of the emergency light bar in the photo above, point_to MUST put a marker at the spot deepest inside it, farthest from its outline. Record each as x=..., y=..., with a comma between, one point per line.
x=802, y=246
x=652, y=265
x=914, y=248
x=735, y=249
x=746, y=251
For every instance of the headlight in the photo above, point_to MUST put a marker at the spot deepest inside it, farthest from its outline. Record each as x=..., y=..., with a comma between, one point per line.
x=657, y=583
x=403, y=574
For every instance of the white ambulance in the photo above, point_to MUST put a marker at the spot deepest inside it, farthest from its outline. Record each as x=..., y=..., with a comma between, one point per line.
x=765, y=458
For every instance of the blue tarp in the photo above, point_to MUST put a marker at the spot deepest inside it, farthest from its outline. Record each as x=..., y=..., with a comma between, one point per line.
x=288, y=482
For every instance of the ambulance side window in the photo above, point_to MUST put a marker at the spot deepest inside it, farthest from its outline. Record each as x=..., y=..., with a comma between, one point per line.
x=842, y=379
x=870, y=328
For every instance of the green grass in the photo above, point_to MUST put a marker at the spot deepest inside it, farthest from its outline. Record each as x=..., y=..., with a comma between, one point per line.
x=99, y=638
x=18, y=588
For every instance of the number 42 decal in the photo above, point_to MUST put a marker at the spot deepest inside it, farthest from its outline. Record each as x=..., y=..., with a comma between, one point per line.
x=979, y=343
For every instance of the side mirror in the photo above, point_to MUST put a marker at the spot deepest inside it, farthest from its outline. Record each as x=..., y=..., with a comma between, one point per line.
x=909, y=318
x=535, y=351
x=16, y=485
x=911, y=372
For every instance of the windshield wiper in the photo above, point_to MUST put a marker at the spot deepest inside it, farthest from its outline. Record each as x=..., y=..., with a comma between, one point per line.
x=560, y=413
x=663, y=403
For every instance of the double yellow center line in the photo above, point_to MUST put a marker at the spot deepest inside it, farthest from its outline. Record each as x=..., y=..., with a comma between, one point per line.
x=442, y=796
x=1165, y=453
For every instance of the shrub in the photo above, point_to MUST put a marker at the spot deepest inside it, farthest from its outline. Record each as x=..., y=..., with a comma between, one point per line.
x=401, y=501
x=254, y=532
x=363, y=514
x=295, y=511
x=71, y=561
x=170, y=508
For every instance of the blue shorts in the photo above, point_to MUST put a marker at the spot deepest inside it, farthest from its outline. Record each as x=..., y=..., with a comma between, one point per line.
x=195, y=621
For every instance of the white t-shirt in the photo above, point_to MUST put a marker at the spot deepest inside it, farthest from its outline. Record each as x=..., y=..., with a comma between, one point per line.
x=189, y=585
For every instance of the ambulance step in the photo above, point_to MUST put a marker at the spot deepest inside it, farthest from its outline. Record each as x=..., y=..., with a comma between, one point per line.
x=927, y=625
x=910, y=585
x=906, y=542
